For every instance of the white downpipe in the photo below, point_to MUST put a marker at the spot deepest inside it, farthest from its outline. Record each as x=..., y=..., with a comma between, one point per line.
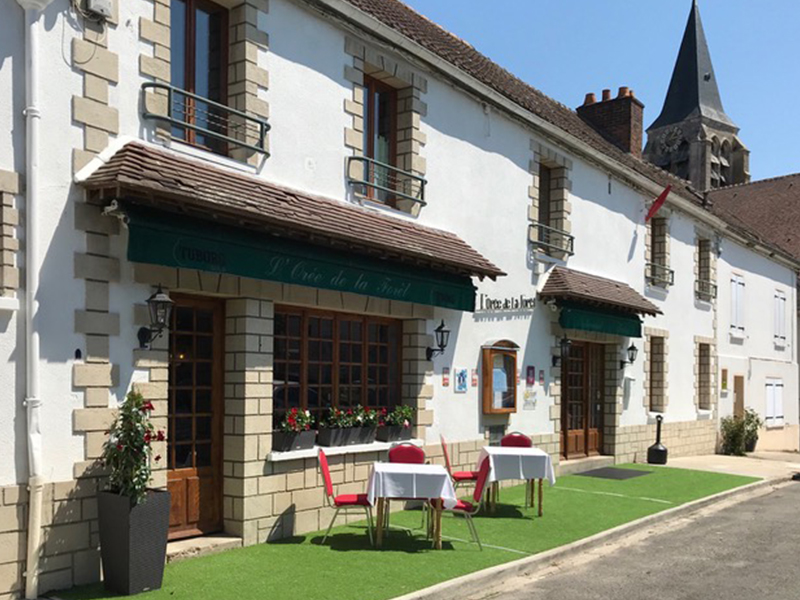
x=32, y=400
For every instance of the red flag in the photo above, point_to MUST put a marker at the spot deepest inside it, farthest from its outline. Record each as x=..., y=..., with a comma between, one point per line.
x=658, y=203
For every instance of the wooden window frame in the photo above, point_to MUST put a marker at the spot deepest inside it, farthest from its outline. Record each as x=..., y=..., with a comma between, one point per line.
x=395, y=388
x=190, y=39
x=372, y=87
x=704, y=363
x=658, y=362
x=488, y=353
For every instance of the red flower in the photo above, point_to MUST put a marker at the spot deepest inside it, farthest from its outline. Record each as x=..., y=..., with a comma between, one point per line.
x=147, y=406
x=349, y=411
x=161, y=437
x=383, y=412
x=158, y=458
x=147, y=437
x=119, y=447
x=294, y=411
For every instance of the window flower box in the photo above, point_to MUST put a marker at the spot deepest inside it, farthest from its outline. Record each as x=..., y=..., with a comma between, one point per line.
x=285, y=441
x=393, y=433
x=334, y=436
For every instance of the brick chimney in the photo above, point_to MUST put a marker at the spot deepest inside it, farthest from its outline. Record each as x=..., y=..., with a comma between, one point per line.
x=617, y=119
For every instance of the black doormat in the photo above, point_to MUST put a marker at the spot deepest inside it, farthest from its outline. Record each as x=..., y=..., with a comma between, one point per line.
x=614, y=473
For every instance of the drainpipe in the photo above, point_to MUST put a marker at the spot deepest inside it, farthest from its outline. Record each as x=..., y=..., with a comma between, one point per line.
x=33, y=403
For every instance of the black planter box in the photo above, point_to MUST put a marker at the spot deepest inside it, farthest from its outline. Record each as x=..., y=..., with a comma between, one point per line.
x=393, y=433
x=133, y=541
x=750, y=445
x=332, y=437
x=365, y=435
x=285, y=441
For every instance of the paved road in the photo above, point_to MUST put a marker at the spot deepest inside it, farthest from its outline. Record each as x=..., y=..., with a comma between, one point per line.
x=749, y=551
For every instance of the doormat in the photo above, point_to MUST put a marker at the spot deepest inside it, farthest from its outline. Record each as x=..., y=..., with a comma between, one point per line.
x=614, y=473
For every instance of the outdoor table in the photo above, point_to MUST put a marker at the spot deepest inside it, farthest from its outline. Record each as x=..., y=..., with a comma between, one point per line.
x=410, y=482
x=512, y=462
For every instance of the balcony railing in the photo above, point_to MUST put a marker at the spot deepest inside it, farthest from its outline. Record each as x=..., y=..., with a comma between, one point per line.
x=659, y=275
x=208, y=120
x=384, y=183
x=551, y=239
x=705, y=290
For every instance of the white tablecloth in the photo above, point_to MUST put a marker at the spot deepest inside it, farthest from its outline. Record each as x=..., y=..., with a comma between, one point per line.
x=509, y=462
x=400, y=480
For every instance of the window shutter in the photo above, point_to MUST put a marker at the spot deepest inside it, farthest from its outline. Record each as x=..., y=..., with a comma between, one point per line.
x=770, y=411
x=734, y=310
x=778, y=404
x=737, y=305
x=782, y=318
x=776, y=317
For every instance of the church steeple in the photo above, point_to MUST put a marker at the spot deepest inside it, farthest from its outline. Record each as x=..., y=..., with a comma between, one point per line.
x=693, y=89
x=693, y=137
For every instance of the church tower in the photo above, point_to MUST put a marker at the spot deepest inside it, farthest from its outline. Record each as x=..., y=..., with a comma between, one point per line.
x=693, y=137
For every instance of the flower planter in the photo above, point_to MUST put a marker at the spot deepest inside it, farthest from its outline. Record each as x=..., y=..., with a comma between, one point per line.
x=750, y=444
x=133, y=541
x=393, y=433
x=333, y=437
x=365, y=435
x=285, y=441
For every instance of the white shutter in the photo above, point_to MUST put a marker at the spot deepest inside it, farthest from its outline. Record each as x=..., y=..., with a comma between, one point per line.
x=737, y=305
x=734, y=311
x=778, y=404
x=770, y=398
x=782, y=318
x=776, y=318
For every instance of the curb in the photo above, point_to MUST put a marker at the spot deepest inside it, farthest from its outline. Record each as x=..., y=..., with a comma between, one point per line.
x=486, y=579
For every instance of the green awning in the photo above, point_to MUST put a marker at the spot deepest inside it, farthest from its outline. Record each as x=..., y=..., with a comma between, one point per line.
x=172, y=240
x=600, y=321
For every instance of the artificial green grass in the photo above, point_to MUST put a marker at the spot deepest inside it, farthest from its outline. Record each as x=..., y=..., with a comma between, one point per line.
x=348, y=568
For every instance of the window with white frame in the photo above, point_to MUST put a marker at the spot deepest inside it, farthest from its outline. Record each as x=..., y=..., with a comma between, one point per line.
x=737, y=305
x=779, y=318
x=774, y=412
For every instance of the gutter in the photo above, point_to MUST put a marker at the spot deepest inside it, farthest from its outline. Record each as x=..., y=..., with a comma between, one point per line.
x=33, y=402
x=345, y=11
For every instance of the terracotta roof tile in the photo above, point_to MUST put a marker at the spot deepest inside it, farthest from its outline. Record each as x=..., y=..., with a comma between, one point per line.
x=462, y=55
x=567, y=284
x=142, y=173
x=769, y=209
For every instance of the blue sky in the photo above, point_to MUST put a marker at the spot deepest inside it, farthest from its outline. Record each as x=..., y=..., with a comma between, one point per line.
x=567, y=48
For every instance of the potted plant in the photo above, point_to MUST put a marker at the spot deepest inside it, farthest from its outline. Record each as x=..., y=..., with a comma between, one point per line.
x=732, y=429
x=396, y=425
x=295, y=432
x=134, y=520
x=752, y=425
x=335, y=429
x=366, y=421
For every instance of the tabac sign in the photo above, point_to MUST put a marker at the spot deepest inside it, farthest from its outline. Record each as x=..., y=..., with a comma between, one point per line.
x=169, y=240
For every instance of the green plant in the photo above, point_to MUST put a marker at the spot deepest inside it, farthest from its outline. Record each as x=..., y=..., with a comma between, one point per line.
x=733, y=435
x=128, y=450
x=401, y=415
x=338, y=419
x=365, y=417
x=296, y=421
x=752, y=424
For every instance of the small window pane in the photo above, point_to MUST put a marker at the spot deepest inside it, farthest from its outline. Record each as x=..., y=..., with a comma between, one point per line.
x=203, y=455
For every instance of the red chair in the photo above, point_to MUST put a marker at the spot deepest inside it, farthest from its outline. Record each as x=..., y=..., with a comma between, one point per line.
x=468, y=509
x=458, y=476
x=343, y=501
x=517, y=440
x=407, y=453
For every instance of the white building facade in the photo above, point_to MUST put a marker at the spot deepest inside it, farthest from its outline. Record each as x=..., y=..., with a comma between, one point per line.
x=280, y=249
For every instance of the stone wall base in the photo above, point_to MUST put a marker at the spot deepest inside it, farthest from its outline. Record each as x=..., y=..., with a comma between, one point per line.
x=687, y=438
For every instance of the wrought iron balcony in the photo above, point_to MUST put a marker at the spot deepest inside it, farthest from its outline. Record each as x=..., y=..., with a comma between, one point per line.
x=705, y=290
x=551, y=239
x=203, y=121
x=660, y=275
x=384, y=183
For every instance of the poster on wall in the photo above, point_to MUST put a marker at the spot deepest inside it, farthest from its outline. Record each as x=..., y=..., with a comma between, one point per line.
x=529, y=399
x=460, y=385
x=541, y=376
x=474, y=377
x=530, y=376
x=446, y=377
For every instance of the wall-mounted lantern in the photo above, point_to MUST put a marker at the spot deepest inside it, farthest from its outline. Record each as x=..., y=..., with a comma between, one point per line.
x=564, y=345
x=442, y=339
x=633, y=352
x=160, y=307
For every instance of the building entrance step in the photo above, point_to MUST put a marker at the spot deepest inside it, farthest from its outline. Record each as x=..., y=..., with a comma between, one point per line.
x=579, y=465
x=201, y=546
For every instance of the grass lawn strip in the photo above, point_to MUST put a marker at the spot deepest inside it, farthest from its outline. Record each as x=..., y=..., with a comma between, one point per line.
x=348, y=568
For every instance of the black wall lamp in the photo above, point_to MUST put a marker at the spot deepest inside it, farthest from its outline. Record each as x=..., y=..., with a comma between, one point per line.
x=633, y=352
x=442, y=339
x=564, y=345
x=160, y=307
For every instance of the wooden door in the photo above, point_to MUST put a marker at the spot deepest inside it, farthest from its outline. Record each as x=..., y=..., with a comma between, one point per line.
x=196, y=364
x=738, y=396
x=582, y=401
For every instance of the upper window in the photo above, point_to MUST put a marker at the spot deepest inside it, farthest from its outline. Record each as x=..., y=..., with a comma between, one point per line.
x=779, y=318
x=380, y=139
x=658, y=271
x=334, y=359
x=198, y=61
x=705, y=288
x=737, y=305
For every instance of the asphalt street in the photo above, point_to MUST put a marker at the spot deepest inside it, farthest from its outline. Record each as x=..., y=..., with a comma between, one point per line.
x=747, y=551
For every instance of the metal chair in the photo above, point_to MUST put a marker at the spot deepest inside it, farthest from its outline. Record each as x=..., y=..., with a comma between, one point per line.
x=343, y=501
x=517, y=440
x=468, y=509
x=410, y=454
x=457, y=476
